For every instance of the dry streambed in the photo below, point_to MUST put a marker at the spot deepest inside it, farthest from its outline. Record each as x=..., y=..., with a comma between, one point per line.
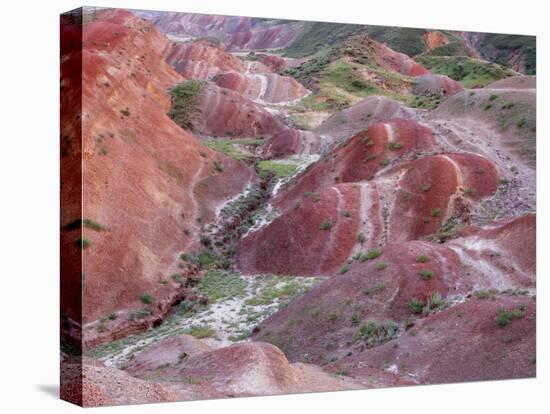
x=236, y=305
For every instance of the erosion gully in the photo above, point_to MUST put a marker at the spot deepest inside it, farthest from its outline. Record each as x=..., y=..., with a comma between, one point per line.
x=236, y=302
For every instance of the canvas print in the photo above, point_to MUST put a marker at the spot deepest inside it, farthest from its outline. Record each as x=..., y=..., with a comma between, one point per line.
x=255, y=206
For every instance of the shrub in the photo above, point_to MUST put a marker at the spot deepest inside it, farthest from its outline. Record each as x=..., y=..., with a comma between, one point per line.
x=426, y=274
x=434, y=301
x=186, y=257
x=93, y=225
x=371, y=254
x=218, y=166
x=177, y=277
x=146, y=298
x=379, y=286
x=422, y=258
x=486, y=294
x=125, y=111
x=185, y=102
x=201, y=331
x=381, y=266
x=393, y=146
x=361, y=238
x=426, y=187
x=493, y=97
x=521, y=123
x=139, y=314
x=435, y=212
x=504, y=317
x=326, y=224
x=376, y=334
x=416, y=305
x=344, y=269
x=83, y=243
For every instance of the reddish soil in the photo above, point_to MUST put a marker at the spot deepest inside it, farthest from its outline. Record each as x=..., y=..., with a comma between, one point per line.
x=136, y=162
x=203, y=59
x=236, y=32
x=247, y=369
x=350, y=121
x=360, y=46
x=361, y=157
x=90, y=384
x=399, y=204
x=435, y=39
x=227, y=113
x=268, y=87
x=278, y=63
x=319, y=327
x=461, y=343
x=294, y=142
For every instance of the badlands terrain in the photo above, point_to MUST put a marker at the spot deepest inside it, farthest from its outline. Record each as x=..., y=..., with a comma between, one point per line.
x=276, y=206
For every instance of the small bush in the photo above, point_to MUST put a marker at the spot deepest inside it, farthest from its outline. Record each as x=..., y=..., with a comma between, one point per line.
x=125, y=111
x=326, y=224
x=83, y=243
x=361, y=238
x=201, y=332
x=146, y=298
x=434, y=301
x=371, y=254
x=374, y=334
x=177, y=277
x=344, y=269
x=493, y=97
x=422, y=258
x=381, y=266
x=416, y=305
x=486, y=294
x=93, y=225
x=426, y=187
x=139, y=314
x=435, y=212
x=379, y=286
x=218, y=166
x=505, y=317
x=521, y=123
x=393, y=146
x=426, y=274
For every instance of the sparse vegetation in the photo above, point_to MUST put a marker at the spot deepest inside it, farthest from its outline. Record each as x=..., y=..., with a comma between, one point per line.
x=371, y=254
x=422, y=258
x=381, y=266
x=416, y=305
x=201, y=331
x=426, y=274
x=374, y=334
x=146, y=298
x=185, y=103
x=279, y=169
x=326, y=224
x=426, y=187
x=505, y=317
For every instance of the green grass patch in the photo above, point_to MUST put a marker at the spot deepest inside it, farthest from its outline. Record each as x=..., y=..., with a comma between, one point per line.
x=468, y=71
x=218, y=284
x=185, y=107
x=280, y=169
x=374, y=334
x=234, y=148
x=201, y=331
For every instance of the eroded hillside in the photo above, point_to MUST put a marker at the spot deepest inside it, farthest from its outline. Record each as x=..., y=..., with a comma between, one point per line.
x=279, y=206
